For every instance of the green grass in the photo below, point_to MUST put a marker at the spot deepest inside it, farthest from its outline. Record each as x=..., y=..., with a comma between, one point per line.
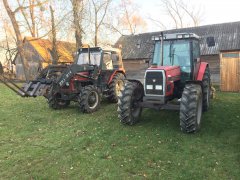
x=39, y=143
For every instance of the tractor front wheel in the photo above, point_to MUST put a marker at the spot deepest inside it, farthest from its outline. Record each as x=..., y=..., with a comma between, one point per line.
x=191, y=108
x=89, y=99
x=129, y=108
x=55, y=102
x=115, y=87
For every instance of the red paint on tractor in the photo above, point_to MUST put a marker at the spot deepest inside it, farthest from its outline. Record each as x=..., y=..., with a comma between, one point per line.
x=77, y=77
x=201, y=71
x=173, y=74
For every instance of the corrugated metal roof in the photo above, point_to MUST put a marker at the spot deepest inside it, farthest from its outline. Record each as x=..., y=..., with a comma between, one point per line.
x=42, y=46
x=226, y=35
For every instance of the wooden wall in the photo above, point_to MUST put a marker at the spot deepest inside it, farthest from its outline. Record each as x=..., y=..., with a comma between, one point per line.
x=214, y=63
x=230, y=71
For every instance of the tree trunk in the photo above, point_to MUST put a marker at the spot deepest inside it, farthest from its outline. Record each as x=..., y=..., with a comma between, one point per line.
x=77, y=22
x=96, y=30
x=20, y=48
x=54, y=52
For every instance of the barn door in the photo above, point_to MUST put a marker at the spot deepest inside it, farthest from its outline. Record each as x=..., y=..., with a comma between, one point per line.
x=230, y=71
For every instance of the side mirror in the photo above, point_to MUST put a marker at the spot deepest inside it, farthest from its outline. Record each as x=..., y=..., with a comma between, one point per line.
x=210, y=41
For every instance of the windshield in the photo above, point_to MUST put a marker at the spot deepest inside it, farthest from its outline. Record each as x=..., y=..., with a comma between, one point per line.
x=95, y=58
x=174, y=53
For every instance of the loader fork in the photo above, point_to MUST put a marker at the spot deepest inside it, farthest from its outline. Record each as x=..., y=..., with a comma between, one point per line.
x=13, y=86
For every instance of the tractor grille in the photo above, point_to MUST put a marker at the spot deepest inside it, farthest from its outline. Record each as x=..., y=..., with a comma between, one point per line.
x=154, y=83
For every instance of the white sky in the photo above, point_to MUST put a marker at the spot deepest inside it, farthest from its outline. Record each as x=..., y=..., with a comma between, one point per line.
x=215, y=11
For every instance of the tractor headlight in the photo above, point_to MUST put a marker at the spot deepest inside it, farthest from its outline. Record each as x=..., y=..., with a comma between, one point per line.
x=158, y=87
x=149, y=86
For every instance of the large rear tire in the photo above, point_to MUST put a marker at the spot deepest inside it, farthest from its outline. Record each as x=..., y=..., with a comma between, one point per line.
x=89, y=99
x=191, y=108
x=206, y=89
x=129, y=108
x=115, y=87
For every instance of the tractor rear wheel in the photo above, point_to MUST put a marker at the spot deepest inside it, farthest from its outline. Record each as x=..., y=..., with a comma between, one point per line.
x=115, y=87
x=191, y=108
x=129, y=108
x=89, y=99
x=55, y=102
x=206, y=89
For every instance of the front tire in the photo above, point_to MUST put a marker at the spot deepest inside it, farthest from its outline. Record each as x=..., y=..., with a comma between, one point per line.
x=89, y=99
x=129, y=108
x=191, y=108
x=206, y=89
x=115, y=87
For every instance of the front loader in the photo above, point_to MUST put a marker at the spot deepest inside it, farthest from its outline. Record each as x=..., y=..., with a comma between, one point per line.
x=94, y=73
x=177, y=79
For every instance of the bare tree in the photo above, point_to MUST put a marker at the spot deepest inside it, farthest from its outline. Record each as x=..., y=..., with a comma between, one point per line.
x=100, y=10
x=53, y=51
x=128, y=19
x=16, y=28
x=180, y=12
x=77, y=6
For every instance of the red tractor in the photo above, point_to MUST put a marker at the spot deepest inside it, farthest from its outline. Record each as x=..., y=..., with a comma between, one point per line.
x=177, y=72
x=95, y=72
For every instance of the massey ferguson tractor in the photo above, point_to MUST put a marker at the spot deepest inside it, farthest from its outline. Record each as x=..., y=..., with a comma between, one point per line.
x=94, y=73
x=177, y=72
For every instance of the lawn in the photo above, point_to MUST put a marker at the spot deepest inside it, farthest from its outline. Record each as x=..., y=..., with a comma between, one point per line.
x=40, y=143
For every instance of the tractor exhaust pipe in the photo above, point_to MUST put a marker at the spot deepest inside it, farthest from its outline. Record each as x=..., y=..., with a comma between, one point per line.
x=161, y=49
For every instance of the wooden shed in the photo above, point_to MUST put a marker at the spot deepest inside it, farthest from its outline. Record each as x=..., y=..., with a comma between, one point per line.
x=38, y=56
x=230, y=71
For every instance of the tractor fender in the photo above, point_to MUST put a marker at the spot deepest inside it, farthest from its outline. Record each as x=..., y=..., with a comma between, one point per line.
x=201, y=71
x=113, y=74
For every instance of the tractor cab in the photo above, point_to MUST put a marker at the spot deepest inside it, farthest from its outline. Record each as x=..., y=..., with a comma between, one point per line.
x=107, y=61
x=181, y=50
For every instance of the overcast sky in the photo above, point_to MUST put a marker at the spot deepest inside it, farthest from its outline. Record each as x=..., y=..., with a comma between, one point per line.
x=215, y=11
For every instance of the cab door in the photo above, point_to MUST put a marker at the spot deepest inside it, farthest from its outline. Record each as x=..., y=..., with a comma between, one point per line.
x=195, y=58
x=106, y=67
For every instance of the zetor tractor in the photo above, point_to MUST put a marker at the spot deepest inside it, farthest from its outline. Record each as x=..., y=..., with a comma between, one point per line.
x=95, y=72
x=177, y=72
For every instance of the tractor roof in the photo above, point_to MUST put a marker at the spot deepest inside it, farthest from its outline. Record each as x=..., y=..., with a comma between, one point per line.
x=175, y=36
x=106, y=49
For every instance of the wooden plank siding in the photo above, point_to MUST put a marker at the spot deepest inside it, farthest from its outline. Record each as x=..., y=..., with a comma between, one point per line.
x=213, y=61
x=230, y=71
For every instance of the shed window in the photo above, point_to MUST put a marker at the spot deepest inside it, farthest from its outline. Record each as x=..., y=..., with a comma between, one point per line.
x=230, y=55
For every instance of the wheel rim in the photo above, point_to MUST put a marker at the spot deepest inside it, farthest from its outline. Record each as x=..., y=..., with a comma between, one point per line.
x=199, y=110
x=119, y=87
x=93, y=100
